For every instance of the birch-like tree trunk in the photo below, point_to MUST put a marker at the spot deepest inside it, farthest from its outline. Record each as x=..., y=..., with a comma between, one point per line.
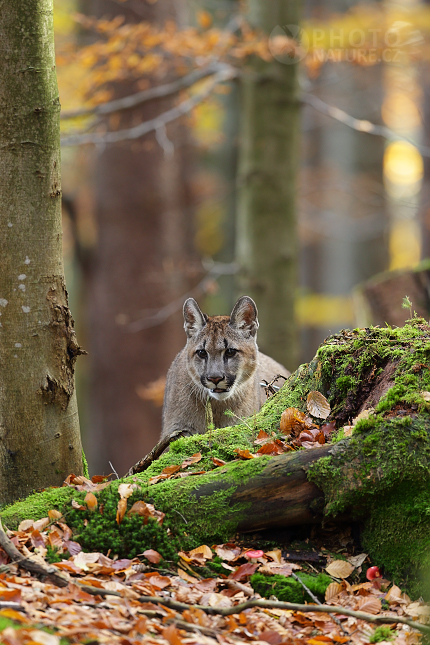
x=39, y=426
x=268, y=156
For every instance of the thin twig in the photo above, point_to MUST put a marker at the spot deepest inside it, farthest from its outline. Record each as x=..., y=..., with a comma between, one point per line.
x=133, y=100
x=315, y=599
x=226, y=74
x=114, y=471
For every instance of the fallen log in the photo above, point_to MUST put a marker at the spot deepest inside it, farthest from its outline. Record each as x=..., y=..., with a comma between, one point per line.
x=379, y=377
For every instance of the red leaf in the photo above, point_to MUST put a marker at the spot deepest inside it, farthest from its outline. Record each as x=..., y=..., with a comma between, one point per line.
x=244, y=571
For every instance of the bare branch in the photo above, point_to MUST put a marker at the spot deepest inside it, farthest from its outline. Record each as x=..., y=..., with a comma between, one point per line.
x=146, y=95
x=137, y=131
x=219, y=268
x=360, y=125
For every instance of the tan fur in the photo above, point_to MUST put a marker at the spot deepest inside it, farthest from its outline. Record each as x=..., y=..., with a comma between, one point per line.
x=189, y=383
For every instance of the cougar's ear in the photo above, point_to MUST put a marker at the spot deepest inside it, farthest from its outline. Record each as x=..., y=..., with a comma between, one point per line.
x=194, y=319
x=244, y=316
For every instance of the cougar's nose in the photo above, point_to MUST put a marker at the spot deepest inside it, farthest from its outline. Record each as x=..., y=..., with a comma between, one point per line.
x=215, y=379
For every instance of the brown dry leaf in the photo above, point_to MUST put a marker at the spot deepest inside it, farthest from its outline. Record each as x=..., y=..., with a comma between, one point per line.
x=363, y=415
x=317, y=405
x=271, y=448
x=369, y=604
x=40, y=525
x=55, y=515
x=14, y=615
x=244, y=571
x=91, y=501
x=333, y=590
x=171, y=634
x=126, y=490
x=122, y=507
x=37, y=539
x=218, y=462
x=244, y=454
x=340, y=569
x=394, y=595
x=276, y=555
x=262, y=438
x=203, y=551
x=25, y=525
x=170, y=470
x=357, y=560
x=194, y=459
x=293, y=421
x=227, y=551
x=425, y=395
x=152, y=556
x=185, y=576
x=78, y=506
x=274, y=569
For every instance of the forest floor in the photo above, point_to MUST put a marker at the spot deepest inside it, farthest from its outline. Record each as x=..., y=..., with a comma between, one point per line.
x=120, y=601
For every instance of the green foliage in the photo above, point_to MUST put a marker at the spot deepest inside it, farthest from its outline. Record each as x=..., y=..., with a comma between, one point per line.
x=290, y=589
x=382, y=633
x=52, y=555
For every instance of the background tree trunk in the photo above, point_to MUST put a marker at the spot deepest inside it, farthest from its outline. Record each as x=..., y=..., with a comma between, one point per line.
x=143, y=261
x=39, y=425
x=268, y=157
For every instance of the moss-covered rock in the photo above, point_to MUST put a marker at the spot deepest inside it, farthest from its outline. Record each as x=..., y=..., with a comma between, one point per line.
x=380, y=474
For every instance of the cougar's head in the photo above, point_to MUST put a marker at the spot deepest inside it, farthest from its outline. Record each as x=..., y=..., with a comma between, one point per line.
x=221, y=350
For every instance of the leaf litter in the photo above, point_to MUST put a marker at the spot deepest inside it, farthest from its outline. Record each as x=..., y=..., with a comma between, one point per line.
x=116, y=601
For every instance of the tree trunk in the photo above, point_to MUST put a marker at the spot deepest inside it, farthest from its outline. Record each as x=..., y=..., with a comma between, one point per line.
x=144, y=261
x=268, y=159
x=39, y=426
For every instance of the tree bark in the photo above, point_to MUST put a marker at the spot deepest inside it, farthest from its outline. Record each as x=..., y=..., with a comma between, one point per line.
x=268, y=159
x=39, y=426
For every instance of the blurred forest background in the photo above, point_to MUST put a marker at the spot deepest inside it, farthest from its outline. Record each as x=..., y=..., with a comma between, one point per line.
x=213, y=148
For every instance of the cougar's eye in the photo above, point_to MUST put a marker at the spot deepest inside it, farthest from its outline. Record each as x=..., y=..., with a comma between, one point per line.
x=201, y=353
x=230, y=352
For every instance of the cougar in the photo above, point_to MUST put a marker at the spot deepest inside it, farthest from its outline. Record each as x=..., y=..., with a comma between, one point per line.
x=220, y=362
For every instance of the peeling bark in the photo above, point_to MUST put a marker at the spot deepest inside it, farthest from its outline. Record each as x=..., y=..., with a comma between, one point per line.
x=39, y=426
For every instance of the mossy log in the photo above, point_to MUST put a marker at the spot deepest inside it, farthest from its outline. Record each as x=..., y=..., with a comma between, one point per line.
x=379, y=476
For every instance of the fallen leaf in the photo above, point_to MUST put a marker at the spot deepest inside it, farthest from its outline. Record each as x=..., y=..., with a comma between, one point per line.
x=293, y=421
x=357, y=560
x=274, y=569
x=122, y=507
x=152, y=556
x=41, y=524
x=204, y=19
x=271, y=636
x=125, y=490
x=363, y=415
x=194, y=459
x=202, y=550
x=262, y=438
x=218, y=462
x=227, y=551
x=78, y=506
x=91, y=501
x=340, y=569
x=394, y=595
x=244, y=571
x=25, y=525
x=317, y=405
x=17, y=616
x=333, y=590
x=185, y=576
x=244, y=454
x=171, y=634
x=276, y=555
x=369, y=604
x=55, y=515
x=271, y=448
x=425, y=395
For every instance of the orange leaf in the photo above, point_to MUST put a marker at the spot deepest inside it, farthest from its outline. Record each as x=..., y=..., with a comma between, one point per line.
x=191, y=460
x=204, y=19
x=170, y=470
x=270, y=449
x=293, y=421
x=91, y=501
x=122, y=507
x=244, y=454
x=55, y=515
x=10, y=595
x=369, y=604
x=218, y=462
x=244, y=571
x=14, y=615
x=263, y=437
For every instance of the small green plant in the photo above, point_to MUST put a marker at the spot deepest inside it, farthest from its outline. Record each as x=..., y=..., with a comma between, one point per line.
x=407, y=304
x=382, y=633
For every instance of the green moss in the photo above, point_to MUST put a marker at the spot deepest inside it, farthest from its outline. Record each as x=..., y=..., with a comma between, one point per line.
x=290, y=589
x=382, y=633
